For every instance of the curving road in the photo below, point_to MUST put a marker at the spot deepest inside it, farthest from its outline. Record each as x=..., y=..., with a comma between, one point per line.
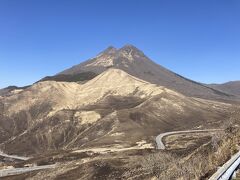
x=16, y=171
x=159, y=138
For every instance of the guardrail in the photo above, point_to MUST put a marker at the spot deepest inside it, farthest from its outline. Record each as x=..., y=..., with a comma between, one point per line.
x=227, y=170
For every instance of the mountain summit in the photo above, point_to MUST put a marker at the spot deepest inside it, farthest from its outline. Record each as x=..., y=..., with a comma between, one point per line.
x=127, y=49
x=109, y=50
x=136, y=63
x=110, y=57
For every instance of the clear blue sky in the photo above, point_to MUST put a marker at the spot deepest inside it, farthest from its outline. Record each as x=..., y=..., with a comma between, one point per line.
x=199, y=39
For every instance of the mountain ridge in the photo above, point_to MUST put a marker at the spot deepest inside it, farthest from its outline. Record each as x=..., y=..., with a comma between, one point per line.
x=133, y=61
x=112, y=106
x=136, y=63
x=231, y=87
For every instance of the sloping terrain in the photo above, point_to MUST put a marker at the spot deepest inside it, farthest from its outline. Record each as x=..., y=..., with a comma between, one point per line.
x=232, y=87
x=11, y=90
x=84, y=76
x=195, y=161
x=112, y=112
x=134, y=62
x=6, y=90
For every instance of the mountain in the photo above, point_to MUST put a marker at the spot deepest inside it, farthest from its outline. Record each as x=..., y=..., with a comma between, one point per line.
x=99, y=120
x=113, y=110
x=232, y=87
x=136, y=63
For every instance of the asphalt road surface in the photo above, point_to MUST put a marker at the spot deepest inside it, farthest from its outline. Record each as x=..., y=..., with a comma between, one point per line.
x=159, y=138
x=16, y=171
x=14, y=156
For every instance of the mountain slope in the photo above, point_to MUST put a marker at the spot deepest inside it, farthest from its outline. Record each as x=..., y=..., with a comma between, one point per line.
x=232, y=87
x=112, y=111
x=11, y=90
x=135, y=63
x=85, y=76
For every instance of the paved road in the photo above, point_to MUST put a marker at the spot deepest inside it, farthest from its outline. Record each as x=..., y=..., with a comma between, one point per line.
x=159, y=138
x=16, y=171
x=14, y=156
